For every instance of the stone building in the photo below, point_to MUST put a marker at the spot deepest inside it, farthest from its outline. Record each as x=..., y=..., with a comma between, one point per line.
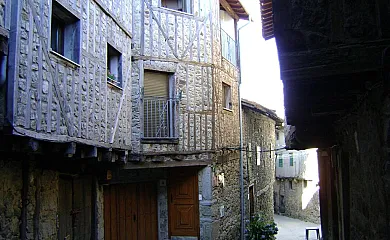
x=334, y=63
x=259, y=125
x=296, y=188
x=119, y=120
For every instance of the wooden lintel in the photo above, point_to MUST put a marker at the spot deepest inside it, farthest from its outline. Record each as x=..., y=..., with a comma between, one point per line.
x=177, y=153
x=228, y=9
x=167, y=164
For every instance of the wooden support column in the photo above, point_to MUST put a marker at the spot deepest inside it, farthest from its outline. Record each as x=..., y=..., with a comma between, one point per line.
x=24, y=195
x=94, y=210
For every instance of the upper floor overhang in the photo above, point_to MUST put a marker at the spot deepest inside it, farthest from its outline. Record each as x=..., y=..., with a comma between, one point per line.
x=235, y=9
x=331, y=53
x=267, y=19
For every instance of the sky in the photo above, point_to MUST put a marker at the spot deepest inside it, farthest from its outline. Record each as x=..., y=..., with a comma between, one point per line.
x=259, y=63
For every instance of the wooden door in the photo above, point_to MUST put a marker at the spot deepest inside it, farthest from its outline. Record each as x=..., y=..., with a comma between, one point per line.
x=183, y=203
x=75, y=207
x=251, y=202
x=130, y=212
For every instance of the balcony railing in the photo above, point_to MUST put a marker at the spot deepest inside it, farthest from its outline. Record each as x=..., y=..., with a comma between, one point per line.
x=228, y=47
x=161, y=118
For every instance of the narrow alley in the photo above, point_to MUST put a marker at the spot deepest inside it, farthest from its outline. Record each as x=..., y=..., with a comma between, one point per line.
x=293, y=229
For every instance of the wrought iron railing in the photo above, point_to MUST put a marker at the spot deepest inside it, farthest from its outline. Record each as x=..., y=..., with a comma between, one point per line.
x=228, y=47
x=161, y=117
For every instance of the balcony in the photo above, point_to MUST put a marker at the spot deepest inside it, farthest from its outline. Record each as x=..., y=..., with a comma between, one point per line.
x=161, y=118
x=228, y=47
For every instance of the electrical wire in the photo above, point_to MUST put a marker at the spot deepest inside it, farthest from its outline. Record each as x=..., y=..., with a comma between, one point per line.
x=253, y=151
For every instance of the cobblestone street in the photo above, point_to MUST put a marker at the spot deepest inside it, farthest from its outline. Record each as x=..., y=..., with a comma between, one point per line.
x=293, y=229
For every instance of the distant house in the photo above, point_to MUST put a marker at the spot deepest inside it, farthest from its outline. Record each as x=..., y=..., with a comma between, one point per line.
x=296, y=189
x=259, y=125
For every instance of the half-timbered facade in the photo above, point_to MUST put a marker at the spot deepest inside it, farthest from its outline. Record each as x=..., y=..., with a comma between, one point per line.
x=120, y=119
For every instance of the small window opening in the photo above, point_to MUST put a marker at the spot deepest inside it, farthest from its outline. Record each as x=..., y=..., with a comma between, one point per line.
x=227, y=99
x=291, y=184
x=305, y=183
x=114, y=66
x=65, y=33
x=291, y=160
x=178, y=5
x=280, y=162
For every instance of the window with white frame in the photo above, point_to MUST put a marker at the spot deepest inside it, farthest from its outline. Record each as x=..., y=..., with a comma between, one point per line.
x=227, y=96
x=178, y=5
x=65, y=33
x=114, y=66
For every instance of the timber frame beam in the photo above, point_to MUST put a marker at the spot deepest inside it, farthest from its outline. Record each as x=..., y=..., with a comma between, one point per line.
x=228, y=9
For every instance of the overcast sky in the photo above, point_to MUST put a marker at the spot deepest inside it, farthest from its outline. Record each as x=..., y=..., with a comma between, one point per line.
x=259, y=63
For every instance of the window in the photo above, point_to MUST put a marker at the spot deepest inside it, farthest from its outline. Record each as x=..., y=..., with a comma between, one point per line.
x=114, y=66
x=305, y=183
x=277, y=135
x=227, y=99
x=280, y=162
x=160, y=105
x=291, y=184
x=228, y=41
x=291, y=159
x=178, y=5
x=65, y=33
x=258, y=152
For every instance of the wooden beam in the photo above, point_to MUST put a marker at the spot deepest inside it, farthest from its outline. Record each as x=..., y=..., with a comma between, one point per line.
x=228, y=9
x=70, y=149
x=167, y=164
x=33, y=145
x=332, y=60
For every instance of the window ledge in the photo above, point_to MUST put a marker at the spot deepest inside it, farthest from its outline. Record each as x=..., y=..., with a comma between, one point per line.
x=228, y=110
x=160, y=140
x=177, y=11
x=113, y=85
x=65, y=60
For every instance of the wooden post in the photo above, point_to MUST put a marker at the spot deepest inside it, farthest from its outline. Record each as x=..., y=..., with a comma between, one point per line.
x=24, y=195
x=37, y=210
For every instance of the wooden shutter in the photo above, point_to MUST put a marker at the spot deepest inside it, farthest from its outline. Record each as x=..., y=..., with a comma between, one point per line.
x=156, y=84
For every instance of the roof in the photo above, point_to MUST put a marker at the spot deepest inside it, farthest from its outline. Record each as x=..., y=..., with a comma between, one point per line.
x=267, y=18
x=235, y=8
x=261, y=109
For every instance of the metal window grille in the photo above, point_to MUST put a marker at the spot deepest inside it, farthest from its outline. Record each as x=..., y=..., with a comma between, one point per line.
x=161, y=117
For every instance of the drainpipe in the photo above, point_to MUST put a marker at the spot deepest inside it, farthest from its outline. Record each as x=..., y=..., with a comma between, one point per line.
x=242, y=200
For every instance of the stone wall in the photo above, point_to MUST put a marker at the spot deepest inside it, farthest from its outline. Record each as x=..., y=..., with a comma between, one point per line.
x=41, y=221
x=58, y=98
x=294, y=199
x=259, y=131
x=362, y=135
x=226, y=197
x=10, y=198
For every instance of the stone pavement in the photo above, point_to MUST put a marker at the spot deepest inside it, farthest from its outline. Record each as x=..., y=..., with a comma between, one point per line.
x=293, y=229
